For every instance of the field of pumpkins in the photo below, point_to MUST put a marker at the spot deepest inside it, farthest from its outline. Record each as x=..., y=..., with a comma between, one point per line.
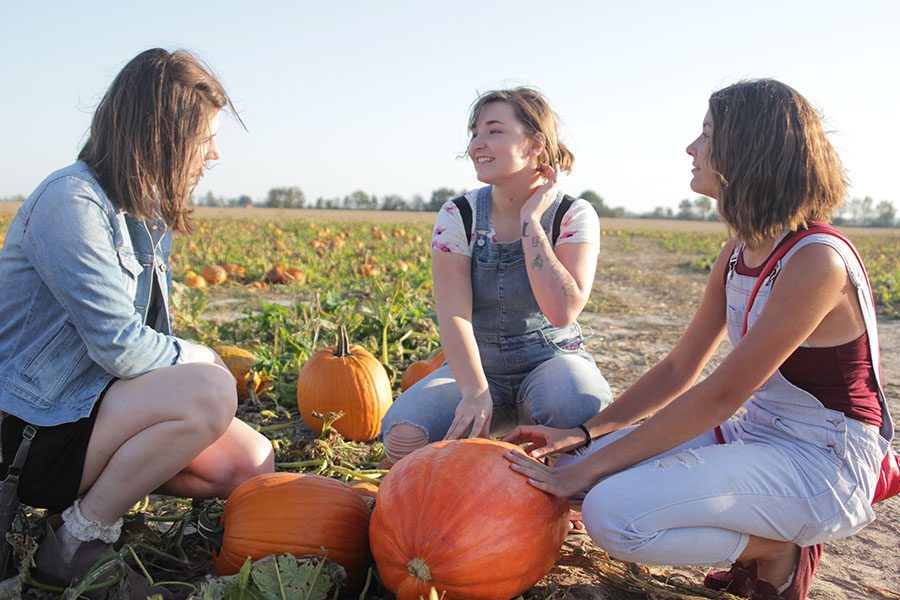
x=323, y=324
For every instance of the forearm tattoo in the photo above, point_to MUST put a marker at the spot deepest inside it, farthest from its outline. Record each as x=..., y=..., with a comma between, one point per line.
x=538, y=262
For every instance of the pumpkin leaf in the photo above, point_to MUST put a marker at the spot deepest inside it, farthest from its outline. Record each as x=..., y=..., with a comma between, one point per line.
x=287, y=578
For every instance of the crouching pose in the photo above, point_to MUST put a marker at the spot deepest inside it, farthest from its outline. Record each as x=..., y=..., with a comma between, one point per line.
x=513, y=265
x=801, y=465
x=121, y=407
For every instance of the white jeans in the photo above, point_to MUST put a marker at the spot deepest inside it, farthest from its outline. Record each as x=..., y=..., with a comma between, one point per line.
x=699, y=503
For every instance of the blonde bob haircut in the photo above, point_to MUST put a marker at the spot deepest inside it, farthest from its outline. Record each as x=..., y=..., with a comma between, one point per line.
x=776, y=169
x=533, y=111
x=147, y=132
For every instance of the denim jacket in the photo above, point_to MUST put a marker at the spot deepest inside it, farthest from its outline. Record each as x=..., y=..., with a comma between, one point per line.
x=75, y=285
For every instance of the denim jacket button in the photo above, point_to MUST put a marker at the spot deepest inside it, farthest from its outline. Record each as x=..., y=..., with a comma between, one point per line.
x=480, y=241
x=162, y=267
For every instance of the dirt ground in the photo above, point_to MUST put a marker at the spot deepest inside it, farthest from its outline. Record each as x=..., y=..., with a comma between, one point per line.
x=648, y=300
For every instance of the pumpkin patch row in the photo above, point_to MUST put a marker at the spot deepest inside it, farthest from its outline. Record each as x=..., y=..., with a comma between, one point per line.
x=450, y=516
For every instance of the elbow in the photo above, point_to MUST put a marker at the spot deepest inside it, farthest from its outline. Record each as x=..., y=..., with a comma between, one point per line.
x=565, y=315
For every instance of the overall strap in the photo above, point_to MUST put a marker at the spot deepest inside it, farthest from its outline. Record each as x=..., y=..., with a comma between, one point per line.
x=465, y=211
x=483, y=210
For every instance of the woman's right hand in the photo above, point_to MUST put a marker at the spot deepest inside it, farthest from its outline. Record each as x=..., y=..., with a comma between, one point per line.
x=543, y=441
x=195, y=353
x=473, y=415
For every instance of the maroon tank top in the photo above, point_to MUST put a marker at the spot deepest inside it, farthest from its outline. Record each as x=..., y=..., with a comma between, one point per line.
x=840, y=377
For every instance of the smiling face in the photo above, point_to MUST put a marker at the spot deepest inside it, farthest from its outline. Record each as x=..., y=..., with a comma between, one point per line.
x=208, y=150
x=500, y=147
x=705, y=180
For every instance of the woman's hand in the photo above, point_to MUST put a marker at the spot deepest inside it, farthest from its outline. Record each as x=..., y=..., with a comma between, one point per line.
x=559, y=481
x=473, y=415
x=542, y=197
x=543, y=441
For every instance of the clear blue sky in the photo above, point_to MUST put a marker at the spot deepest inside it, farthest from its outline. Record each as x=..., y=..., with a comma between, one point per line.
x=373, y=95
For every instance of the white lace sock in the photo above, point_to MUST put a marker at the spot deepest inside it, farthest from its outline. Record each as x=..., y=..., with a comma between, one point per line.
x=76, y=528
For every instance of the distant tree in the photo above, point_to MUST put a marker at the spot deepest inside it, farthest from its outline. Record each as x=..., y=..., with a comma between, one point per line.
x=703, y=207
x=285, y=197
x=394, y=202
x=210, y=199
x=885, y=214
x=418, y=203
x=686, y=210
x=439, y=196
x=244, y=201
x=359, y=200
x=659, y=213
x=595, y=200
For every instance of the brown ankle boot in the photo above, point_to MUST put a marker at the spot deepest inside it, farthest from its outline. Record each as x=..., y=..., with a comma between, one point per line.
x=51, y=569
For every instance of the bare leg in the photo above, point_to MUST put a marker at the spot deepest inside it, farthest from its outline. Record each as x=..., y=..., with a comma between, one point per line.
x=775, y=561
x=151, y=428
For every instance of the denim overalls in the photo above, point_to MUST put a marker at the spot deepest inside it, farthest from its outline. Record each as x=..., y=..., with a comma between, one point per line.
x=537, y=373
x=790, y=470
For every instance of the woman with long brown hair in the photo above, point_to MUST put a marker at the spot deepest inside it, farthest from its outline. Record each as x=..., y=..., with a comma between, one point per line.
x=801, y=466
x=121, y=407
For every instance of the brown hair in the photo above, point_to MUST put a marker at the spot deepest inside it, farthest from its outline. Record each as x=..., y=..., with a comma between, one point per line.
x=147, y=132
x=534, y=112
x=776, y=168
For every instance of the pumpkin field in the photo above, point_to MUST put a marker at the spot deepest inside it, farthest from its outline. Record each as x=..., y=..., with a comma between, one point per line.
x=283, y=294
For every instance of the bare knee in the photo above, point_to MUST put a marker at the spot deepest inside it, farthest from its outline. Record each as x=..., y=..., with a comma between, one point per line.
x=211, y=402
x=402, y=439
x=256, y=458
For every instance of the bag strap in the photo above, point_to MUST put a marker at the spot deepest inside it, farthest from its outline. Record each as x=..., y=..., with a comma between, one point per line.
x=9, y=500
x=465, y=211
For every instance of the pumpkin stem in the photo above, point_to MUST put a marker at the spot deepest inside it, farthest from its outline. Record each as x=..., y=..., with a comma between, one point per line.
x=419, y=568
x=343, y=345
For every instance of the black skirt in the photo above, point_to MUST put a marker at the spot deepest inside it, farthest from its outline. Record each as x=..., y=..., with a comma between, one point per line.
x=52, y=472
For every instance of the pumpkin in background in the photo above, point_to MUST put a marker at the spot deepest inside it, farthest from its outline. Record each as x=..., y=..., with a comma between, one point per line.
x=195, y=281
x=437, y=360
x=344, y=378
x=240, y=363
x=454, y=516
x=414, y=372
x=276, y=513
x=215, y=275
x=234, y=270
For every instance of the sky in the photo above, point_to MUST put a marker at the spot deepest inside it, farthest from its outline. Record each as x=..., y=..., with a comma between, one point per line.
x=374, y=95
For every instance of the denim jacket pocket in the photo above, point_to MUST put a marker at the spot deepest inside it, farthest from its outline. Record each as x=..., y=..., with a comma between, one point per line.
x=51, y=368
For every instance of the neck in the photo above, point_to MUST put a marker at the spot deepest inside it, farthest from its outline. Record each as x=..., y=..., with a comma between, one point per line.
x=753, y=257
x=509, y=196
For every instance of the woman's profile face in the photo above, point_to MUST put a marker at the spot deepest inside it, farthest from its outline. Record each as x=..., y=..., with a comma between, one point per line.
x=499, y=146
x=704, y=181
x=209, y=148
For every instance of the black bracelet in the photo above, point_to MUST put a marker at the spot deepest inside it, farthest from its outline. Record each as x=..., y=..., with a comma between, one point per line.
x=587, y=434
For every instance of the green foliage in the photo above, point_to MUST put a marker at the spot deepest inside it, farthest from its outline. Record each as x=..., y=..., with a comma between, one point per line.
x=279, y=578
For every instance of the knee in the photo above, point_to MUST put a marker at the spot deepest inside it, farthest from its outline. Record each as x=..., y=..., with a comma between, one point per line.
x=402, y=439
x=257, y=459
x=608, y=523
x=211, y=402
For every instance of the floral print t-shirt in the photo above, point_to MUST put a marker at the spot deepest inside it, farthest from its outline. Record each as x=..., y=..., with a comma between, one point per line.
x=580, y=225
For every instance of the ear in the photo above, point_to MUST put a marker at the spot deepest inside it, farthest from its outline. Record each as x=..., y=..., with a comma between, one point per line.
x=538, y=144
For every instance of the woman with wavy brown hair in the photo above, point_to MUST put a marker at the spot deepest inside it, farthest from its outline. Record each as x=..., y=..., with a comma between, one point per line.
x=117, y=406
x=800, y=466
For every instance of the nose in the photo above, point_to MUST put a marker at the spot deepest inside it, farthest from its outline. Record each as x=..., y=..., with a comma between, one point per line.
x=213, y=152
x=691, y=150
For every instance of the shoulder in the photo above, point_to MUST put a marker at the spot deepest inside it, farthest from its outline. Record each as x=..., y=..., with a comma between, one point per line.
x=579, y=223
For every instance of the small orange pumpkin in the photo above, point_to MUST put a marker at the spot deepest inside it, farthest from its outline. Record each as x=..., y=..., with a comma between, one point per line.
x=454, y=516
x=195, y=281
x=437, y=360
x=344, y=378
x=301, y=514
x=215, y=275
x=414, y=372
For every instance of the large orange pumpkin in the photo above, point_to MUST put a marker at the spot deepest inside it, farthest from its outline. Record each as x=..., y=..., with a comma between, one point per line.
x=454, y=516
x=276, y=513
x=344, y=378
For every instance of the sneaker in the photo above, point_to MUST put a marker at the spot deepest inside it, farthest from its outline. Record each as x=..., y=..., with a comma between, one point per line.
x=738, y=580
x=807, y=563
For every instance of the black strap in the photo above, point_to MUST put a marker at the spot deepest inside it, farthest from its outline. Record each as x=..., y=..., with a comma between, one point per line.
x=564, y=205
x=465, y=211
x=9, y=501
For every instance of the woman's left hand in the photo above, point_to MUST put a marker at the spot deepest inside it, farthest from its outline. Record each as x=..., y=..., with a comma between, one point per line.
x=542, y=197
x=557, y=481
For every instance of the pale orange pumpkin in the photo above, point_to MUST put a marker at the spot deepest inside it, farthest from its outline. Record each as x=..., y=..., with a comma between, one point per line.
x=415, y=372
x=437, y=360
x=195, y=281
x=454, y=516
x=301, y=514
x=344, y=378
x=215, y=275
